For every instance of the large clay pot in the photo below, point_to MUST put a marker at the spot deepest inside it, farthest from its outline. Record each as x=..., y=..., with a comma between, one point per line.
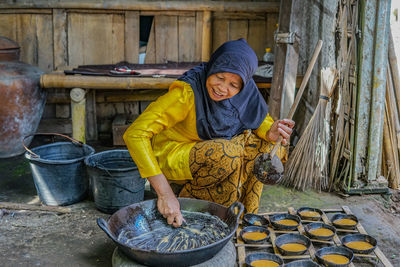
x=21, y=100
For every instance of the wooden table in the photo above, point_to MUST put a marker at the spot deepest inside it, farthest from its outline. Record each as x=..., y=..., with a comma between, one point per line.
x=81, y=84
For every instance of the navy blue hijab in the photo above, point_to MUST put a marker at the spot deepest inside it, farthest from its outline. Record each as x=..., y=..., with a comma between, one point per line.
x=229, y=117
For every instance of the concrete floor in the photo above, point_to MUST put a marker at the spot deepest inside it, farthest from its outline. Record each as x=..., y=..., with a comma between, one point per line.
x=49, y=239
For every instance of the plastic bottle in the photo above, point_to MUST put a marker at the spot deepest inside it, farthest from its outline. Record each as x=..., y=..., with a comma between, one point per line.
x=268, y=56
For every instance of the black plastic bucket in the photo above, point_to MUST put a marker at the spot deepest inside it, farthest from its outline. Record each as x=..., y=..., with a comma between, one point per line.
x=59, y=172
x=115, y=180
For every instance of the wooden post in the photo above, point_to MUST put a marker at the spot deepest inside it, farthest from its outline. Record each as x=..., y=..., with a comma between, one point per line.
x=206, y=36
x=78, y=104
x=91, y=117
x=286, y=60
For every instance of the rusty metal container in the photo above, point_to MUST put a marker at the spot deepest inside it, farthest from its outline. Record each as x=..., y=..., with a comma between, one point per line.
x=21, y=99
x=9, y=50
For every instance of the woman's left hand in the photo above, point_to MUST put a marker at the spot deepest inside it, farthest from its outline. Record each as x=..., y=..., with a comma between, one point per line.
x=282, y=128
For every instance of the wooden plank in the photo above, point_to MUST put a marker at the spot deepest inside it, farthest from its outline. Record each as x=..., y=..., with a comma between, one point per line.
x=118, y=38
x=270, y=28
x=286, y=60
x=95, y=11
x=112, y=98
x=199, y=36
x=44, y=33
x=187, y=39
x=75, y=39
x=91, y=116
x=206, y=36
x=166, y=36
x=346, y=231
x=62, y=110
x=98, y=36
x=296, y=257
x=95, y=38
x=60, y=45
x=220, y=33
x=63, y=126
x=168, y=13
x=108, y=111
x=332, y=210
x=238, y=29
x=26, y=38
x=8, y=26
x=241, y=251
x=239, y=15
x=132, y=34
x=223, y=6
x=378, y=252
x=257, y=38
x=22, y=206
x=272, y=237
x=270, y=213
x=151, y=46
x=254, y=245
x=25, y=11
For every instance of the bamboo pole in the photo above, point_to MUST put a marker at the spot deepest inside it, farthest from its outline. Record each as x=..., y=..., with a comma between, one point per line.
x=394, y=69
x=103, y=82
x=364, y=85
x=124, y=83
x=78, y=107
x=225, y=6
x=387, y=151
x=378, y=90
x=391, y=136
x=393, y=107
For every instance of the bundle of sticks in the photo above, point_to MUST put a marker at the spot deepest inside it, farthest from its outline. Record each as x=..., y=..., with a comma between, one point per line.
x=391, y=127
x=307, y=166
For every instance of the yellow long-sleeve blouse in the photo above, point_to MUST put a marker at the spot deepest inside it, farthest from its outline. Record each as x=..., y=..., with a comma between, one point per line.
x=161, y=138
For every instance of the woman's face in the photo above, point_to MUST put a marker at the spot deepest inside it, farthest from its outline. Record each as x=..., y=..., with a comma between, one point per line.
x=223, y=85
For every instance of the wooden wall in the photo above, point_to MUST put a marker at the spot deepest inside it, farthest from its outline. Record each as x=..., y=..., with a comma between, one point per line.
x=58, y=39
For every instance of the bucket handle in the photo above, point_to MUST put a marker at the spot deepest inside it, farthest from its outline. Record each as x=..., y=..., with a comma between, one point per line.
x=115, y=183
x=62, y=135
x=235, y=211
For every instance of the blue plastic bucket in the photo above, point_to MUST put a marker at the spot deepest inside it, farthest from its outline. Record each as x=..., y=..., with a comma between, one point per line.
x=115, y=180
x=59, y=172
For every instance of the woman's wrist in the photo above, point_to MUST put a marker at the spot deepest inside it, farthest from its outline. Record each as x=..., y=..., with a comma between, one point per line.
x=161, y=186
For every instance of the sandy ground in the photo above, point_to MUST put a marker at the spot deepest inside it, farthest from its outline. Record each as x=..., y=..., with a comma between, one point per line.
x=49, y=239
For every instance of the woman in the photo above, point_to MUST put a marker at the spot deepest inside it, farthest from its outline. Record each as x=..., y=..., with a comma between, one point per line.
x=205, y=134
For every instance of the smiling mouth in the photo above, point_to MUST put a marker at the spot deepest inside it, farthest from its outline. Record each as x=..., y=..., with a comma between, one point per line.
x=217, y=94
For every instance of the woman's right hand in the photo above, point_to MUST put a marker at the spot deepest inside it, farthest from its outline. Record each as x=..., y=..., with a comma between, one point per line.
x=168, y=206
x=167, y=203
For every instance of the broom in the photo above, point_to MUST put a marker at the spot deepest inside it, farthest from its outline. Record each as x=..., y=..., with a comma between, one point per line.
x=307, y=166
